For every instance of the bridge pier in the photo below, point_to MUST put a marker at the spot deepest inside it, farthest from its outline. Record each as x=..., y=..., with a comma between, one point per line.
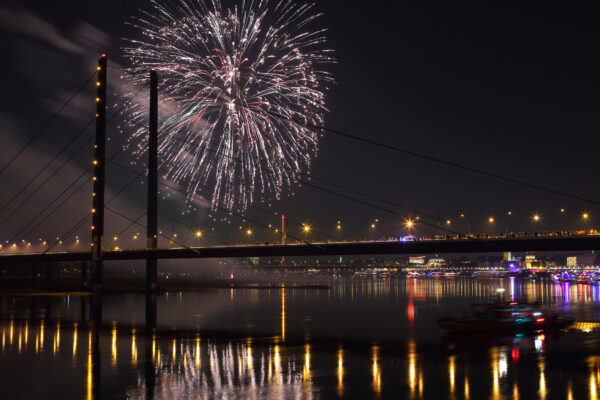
x=49, y=274
x=151, y=215
x=84, y=268
x=34, y=274
x=151, y=311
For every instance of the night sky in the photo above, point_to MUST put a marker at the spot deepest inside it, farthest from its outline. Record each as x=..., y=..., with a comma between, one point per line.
x=505, y=87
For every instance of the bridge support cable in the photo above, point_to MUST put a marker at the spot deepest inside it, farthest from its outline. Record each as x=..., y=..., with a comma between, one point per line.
x=120, y=111
x=122, y=231
x=113, y=197
x=99, y=164
x=69, y=232
x=40, y=186
x=310, y=184
x=257, y=223
x=58, y=207
x=452, y=164
x=227, y=212
x=180, y=244
x=78, y=224
x=191, y=228
x=46, y=124
x=151, y=214
x=219, y=209
x=50, y=204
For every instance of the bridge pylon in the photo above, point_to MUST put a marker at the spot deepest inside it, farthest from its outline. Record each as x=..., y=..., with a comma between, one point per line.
x=152, y=219
x=99, y=164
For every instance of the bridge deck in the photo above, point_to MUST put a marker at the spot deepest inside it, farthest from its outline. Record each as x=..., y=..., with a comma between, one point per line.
x=329, y=249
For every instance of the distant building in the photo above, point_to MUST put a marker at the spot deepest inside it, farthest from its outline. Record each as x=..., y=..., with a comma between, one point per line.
x=436, y=262
x=530, y=261
x=416, y=260
x=582, y=260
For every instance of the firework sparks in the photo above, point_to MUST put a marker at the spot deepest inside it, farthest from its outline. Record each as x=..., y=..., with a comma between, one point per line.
x=244, y=87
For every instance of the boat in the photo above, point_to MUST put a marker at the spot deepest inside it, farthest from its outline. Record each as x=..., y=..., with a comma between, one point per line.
x=505, y=317
x=435, y=274
x=565, y=277
x=584, y=278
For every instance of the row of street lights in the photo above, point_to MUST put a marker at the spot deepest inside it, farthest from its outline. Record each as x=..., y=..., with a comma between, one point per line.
x=306, y=228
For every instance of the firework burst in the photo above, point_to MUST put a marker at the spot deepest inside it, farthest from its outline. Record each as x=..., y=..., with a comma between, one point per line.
x=242, y=90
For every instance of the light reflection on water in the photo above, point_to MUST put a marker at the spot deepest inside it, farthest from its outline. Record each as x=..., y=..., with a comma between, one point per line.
x=363, y=338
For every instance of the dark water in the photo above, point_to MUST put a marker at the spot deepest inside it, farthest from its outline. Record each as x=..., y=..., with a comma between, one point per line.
x=363, y=338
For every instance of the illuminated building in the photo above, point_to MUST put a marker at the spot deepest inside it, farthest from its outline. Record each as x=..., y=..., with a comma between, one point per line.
x=416, y=260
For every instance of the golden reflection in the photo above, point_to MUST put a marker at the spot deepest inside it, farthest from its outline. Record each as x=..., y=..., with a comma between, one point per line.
x=282, y=314
x=10, y=334
x=376, y=371
x=153, y=347
x=451, y=372
x=340, y=372
x=42, y=336
x=420, y=384
x=495, y=374
x=276, y=363
x=89, y=368
x=113, y=352
x=26, y=333
x=593, y=386
x=37, y=344
x=412, y=373
x=174, y=351
x=19, y=341
x=57, y=337
x=306, y=370
x=542, y=379
x=133, y=349
x=3, y=338
x=569, y=392
x=466, y=388
x=74, y=340
x=515, y=392
x=197, y=358
x=249, y=354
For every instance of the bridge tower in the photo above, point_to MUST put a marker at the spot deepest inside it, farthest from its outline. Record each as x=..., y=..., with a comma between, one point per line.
x=283, y=236
x=152, y=219
x=99, y=177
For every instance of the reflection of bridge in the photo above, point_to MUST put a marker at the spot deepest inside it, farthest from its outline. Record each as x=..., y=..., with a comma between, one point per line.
x=100, y=248
x=331, y=249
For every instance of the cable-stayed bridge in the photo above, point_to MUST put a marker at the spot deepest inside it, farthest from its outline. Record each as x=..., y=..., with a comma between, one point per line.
x=451, y=241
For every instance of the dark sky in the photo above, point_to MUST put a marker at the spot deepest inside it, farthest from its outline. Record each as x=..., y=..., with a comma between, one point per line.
x=505, y=87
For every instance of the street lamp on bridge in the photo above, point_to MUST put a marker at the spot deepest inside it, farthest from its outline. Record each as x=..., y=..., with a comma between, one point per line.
x=585, y=216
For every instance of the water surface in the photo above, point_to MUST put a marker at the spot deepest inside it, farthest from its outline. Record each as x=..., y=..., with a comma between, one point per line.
x=364, y=337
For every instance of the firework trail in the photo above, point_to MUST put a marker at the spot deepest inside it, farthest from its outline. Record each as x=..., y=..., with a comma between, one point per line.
x=244, y=86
